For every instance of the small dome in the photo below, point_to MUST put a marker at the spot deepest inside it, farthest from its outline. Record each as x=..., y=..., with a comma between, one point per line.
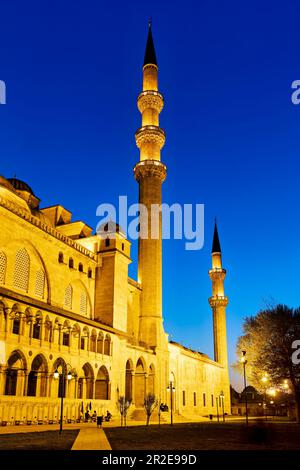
x=20, y=185
x=5, y=183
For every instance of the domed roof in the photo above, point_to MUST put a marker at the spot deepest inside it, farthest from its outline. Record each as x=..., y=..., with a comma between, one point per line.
x=20, y=185
x=4, y=182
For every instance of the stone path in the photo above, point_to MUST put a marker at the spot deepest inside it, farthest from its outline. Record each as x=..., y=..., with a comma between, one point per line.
x=91, y=438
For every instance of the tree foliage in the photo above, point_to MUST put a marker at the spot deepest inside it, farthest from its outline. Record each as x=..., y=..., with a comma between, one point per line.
x=123, y=406
x=269, y=341
x=150, y=403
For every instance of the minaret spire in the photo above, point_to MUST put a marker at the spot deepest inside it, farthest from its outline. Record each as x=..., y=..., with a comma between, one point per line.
x=150, y=56
x=150, y=173
x=216, y=247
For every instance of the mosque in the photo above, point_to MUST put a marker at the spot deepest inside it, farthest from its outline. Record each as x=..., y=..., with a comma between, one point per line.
x=67, y=305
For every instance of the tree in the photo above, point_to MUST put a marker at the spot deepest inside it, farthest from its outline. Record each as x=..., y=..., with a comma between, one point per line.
x=123, y=406
x=270, y=339
x=150, y=403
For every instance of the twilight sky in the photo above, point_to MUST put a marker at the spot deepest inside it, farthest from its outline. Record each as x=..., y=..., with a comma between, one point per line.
x=73, y=71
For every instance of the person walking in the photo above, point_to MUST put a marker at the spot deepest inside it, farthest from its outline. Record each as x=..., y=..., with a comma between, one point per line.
x=99, y=421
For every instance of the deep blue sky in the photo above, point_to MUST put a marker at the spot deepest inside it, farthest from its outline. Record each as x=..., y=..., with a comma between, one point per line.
x=73, y=72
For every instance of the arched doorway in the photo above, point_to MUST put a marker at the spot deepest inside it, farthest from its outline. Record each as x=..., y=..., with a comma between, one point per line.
x=102, y=391
x=37, y=379
x=59, y=384
x=86, y=382
x=140, y=388
x=128, y=380
x=15, y=374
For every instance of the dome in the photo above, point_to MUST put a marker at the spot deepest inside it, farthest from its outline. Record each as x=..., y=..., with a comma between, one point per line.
x=5, y=183
x=20, y=185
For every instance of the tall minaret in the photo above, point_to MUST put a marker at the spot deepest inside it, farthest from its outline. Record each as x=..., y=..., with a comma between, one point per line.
x=218, y=302
x=150, y=173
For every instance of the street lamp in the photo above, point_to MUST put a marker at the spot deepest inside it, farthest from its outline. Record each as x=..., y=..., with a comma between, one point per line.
x=244, y=362
x=217, y=402
x=63, y=375
x=171, y=389
x=222, y=398
x=265, y=380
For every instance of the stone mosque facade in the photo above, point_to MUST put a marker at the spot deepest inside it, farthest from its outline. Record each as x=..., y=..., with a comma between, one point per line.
x=67, y=304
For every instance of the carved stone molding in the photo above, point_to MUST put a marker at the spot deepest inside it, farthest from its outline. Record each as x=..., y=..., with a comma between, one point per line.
x=153, y=134
x=147, y=168
x=218, y=301
x=150, y=99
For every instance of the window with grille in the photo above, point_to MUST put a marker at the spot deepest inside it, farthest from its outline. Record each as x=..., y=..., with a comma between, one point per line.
x=40, y=283
x=68, y=297
x=83, y=303
x=21, y=274
x=2, y=267
x=66, y=339
x=16, y=326
x=36, y=330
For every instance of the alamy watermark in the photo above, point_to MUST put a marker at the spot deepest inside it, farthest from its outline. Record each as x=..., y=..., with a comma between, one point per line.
x=296, y=354
x=179, y=222
x=2, y=92
x=296, y=94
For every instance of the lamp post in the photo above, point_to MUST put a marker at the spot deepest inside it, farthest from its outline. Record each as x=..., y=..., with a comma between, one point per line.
x=222, y=398
x=265, y=380
x=63, y=375
x=171, y=389
x=244, y=362
x=217, y=402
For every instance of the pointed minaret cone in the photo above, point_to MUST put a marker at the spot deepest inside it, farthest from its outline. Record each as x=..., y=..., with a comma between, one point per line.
x=150, y=56
x=216, y=249
x=150, y=174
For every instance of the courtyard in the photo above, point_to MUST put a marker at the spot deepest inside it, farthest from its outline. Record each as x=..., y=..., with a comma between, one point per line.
x=234, y=435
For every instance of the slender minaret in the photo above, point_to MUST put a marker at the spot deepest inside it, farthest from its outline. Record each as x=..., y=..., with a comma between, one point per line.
x=150, y=174
x=218, y=302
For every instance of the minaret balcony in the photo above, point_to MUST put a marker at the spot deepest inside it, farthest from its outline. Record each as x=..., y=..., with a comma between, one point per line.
x=150, y=99
x=150, y=134
x=147, y=168
x=218, y=301
x=217, y=274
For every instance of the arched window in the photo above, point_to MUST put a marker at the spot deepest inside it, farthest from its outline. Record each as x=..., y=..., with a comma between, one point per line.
x=2, y=267
x=21, y=273
x=80, y=267
x=93, y=341
x=71, y=263
x=40, y=283
x=90, y=273
x=36, y=332
x=68, y=297
x=16, y=326
x=100, y=340
x=60, y=257
x=107, y=343
x=83, y=303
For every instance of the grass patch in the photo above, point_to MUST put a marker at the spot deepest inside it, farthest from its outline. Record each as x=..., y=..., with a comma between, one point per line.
x=44, y=440
x=206, y=436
